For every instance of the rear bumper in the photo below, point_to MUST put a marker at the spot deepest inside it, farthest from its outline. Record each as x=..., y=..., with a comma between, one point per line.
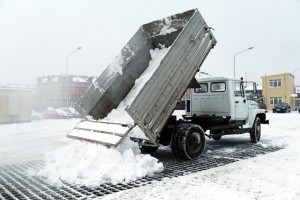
x=279, y=110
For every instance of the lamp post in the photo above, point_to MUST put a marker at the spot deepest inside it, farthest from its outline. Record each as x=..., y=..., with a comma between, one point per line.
x=295, y=90
x=205, y=73
x=294, y=77
x=236, y=55
x=67, y=60
x=295, y=71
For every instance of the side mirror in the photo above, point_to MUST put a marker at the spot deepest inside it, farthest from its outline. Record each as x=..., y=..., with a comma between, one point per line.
x=254, y=88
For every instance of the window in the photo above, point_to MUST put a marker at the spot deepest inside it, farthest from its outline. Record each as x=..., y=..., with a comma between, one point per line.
x=203, y=88
x=218, y=87
x=274, y=100
x=238, y=90
x=275, y=83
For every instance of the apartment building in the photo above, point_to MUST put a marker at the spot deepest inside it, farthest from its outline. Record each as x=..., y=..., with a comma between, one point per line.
x=51, y=91
x=278, y=88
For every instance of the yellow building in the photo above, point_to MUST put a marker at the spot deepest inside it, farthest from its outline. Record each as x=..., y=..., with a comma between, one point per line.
x=278, y=88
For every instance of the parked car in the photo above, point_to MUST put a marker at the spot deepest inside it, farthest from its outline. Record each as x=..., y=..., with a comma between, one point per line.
x=51, y=113
x=72, y=112
x=262, y=105
x=281, y=107
x=35, y=115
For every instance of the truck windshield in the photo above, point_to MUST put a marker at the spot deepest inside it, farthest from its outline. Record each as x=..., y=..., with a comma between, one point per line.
x=238, y=91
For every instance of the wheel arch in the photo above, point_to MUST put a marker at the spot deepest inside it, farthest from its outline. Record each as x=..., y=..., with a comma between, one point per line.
x=256, y=113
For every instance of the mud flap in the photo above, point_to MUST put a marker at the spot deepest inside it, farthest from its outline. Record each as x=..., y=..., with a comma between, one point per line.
x=106, y=133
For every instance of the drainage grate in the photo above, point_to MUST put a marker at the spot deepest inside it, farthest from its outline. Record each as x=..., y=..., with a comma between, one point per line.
x=16, y=184
x=239, y=151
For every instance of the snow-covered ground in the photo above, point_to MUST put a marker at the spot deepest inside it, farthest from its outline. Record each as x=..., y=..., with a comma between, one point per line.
x=270, y=176
x=30, y=141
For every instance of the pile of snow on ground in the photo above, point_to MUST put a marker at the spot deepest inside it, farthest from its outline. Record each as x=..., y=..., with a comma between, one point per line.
x=93, y=164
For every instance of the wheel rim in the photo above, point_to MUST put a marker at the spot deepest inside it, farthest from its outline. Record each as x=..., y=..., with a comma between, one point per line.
x=194, y=143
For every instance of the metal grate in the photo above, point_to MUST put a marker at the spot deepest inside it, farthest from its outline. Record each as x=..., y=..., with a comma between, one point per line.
x=16, y=184
x=243, y=150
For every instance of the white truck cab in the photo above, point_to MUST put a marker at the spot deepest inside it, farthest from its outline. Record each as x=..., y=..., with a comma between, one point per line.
x=221, y=96
x=221, y=105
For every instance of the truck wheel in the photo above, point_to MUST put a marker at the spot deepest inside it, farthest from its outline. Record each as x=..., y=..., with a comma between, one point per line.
x=256, y=131
x=191, y=141
x=174, y=139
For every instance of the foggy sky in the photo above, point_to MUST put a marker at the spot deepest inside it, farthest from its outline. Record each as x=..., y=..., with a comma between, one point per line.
x=37, y=35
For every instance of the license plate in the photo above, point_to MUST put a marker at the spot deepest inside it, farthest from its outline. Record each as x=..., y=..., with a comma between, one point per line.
x=278, y=109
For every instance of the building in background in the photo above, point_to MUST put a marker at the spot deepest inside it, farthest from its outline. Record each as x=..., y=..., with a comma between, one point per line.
x=278, y=88
x=51, y=91
x=15, y=105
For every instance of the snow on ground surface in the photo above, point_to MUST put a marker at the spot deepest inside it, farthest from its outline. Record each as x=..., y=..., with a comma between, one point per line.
x=270, y=176
x=30, y=141
x=90, y=164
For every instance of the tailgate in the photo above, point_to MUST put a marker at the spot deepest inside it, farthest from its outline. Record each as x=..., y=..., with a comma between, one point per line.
x=109, y=134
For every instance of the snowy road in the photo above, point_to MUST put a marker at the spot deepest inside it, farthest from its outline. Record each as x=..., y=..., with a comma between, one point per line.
x=271, y=176
x=30, y=141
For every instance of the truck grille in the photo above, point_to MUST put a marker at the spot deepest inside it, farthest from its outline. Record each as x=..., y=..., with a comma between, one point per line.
x=16, y=184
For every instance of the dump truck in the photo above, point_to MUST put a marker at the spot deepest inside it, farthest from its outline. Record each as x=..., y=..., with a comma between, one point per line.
x=189, y=40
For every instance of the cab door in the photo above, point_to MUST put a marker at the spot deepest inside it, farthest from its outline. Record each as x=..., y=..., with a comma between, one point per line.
x=241, y=105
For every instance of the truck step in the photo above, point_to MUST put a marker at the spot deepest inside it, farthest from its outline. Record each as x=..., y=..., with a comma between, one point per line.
x=106, y=133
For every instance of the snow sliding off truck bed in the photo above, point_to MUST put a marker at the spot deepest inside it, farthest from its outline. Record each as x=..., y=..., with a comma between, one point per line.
x=189, y=40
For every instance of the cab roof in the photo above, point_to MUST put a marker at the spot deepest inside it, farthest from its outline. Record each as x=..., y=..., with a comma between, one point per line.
x=219, y=78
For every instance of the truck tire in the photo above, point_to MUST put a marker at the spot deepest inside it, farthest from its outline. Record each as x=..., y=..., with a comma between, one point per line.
x=191, y=141
x=174, y=139
x=256, y=131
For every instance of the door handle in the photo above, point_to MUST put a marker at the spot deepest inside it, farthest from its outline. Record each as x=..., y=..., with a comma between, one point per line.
x=236, y=101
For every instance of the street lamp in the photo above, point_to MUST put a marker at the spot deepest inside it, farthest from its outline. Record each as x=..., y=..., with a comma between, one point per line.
x=294, y=74
x=67, y=60
x=295, y=90
x=295, y=71
x=236, y=55
x=205, y=73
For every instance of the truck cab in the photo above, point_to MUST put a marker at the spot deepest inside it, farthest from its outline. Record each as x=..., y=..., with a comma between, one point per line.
x=221, y=105
x=221, y=96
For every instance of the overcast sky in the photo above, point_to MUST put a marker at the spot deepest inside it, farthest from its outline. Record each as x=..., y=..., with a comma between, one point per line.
x=37, y=35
